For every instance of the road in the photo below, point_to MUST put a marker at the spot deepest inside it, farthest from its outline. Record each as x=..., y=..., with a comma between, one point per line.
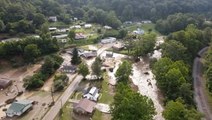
x=54, y=110
x=199, y=86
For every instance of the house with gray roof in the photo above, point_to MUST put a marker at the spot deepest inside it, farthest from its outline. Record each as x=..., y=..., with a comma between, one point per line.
x=19, y=107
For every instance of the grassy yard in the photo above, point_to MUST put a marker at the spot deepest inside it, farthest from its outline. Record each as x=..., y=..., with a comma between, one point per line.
x=145, y=27
x=106, y=96
x=97, y=115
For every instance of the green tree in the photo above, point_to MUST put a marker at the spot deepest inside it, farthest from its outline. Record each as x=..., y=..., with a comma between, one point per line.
x=178, y=111
x=123, y=72
x=83, y=69
x=75, y=60
x=174, y=50
x=96, y=67
x=71, y=35
x=145, y=45
x=31, y=52
x=2, y=26
x=130, y=105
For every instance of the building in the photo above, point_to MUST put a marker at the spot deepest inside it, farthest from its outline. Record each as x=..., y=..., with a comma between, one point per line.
x=107, y=27
x=5, y=82
x=87, y=25
x=53, y=19
x=146, y=21
x=52, y=29
x=69, y=69
x=85, y=107
x=79, y=36
x=75, y=27
x=89, y=54
x=19, y=107
x=108, y=40
x=93, y=94
x=138, y=32
x=62, y=36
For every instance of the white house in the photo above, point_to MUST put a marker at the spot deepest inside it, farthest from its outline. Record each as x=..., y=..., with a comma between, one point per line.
x=93, y=94
x=75, y=27
x=107, y=27
x=138, y=32
x=87, y=25
x=52, y=29
x=108, y=40
x=53, y=18
x=60, y=36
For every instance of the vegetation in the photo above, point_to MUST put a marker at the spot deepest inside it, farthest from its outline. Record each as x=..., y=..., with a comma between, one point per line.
x=123, y=72
x=208, y=67
x=96, y=67
x=75, y=60
x=51, y=64
x=176, y=110
x=30, y=48
x=130, y=105
x=83, y=69
x=60, y=81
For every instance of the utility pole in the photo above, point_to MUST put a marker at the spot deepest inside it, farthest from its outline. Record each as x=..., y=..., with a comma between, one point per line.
x=52, y=94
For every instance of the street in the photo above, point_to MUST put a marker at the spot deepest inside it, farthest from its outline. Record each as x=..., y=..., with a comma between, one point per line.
x=54, y=110
x=199, y=86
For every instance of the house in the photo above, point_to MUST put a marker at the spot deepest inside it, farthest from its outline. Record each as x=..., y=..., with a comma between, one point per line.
x=62, y=40
x=5, y=82
x=128, y=22
x=118, y=46
x=69, y=69
x=146, y=21
x=109, y=54
x=53, y=19
x=63, y=30
x=62, y=36
x=89, y=54
x=75, y=27
x=108, y=40
x=107, y=27
x=93, y=94
x=85, y=107
x=87, y=25
x=138, y=32
x=52, y=29
x=19, y=107
x=79, y=36
x=109, y=63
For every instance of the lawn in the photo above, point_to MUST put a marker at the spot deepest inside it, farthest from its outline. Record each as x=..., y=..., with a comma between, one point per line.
x=66, y=112
x=145, y=27
x=106, y=96
x=97, y=115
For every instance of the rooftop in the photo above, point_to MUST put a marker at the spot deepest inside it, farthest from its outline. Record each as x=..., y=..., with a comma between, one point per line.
x=86, y=105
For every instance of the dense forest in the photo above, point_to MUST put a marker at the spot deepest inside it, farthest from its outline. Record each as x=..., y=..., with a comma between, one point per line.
x=26, y=16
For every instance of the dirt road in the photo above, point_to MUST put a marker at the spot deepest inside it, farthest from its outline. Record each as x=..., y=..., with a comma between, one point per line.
x=52, y=113
x=199, y=86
